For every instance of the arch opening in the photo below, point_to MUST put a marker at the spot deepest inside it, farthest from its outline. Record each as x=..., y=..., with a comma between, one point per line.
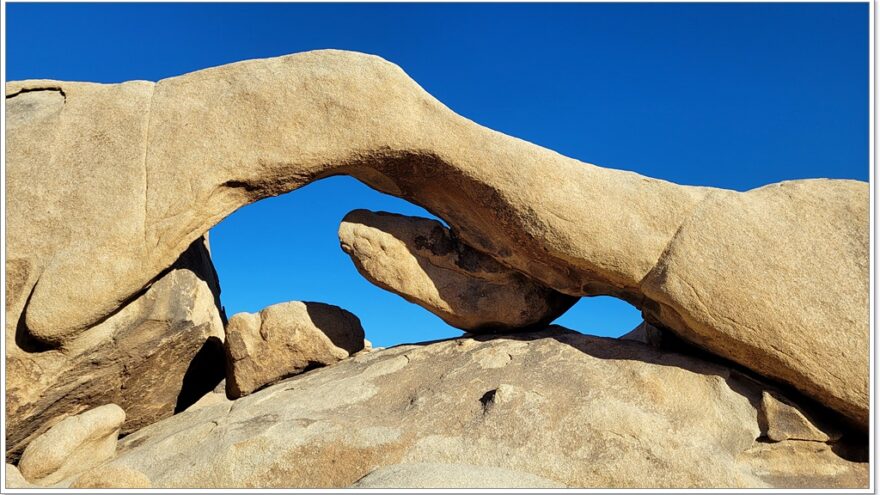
x=286, y=248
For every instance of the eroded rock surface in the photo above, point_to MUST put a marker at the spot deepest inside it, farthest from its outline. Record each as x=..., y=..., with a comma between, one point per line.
x=782, y=421
x=421, y=475
x=112, y=477
x=776, y=279
x=286, y=339
x=14, y=479
x=571, y=409
x=646, y=334
x=72, y=446
x=157, y=355
x=107, y=185
x=420, y=260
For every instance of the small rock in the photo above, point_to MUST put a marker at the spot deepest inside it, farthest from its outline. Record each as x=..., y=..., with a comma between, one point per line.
x=782, y=421
x=286, y=339
x=216, y=396
x=72, y=446
x=646, y=334
x=112, y=476
x=420, y=260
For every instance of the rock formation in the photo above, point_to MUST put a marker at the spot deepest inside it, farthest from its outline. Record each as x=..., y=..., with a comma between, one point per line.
x=450, y=476
x=72, y=446
x=286, y=339
x=156, y=355
x=420, y=260
x=556, y=405
x=181, y=154
x=782, y=421
x=646, y=334
x=755, y=303
x=14, y=479
x=112, y=477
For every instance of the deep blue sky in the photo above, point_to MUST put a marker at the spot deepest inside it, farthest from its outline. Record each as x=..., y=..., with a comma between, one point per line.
x=726, y=95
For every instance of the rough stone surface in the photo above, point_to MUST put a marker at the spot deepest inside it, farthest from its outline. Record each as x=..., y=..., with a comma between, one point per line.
x=14, y=479
x=216, y=396
x=181, y=154
x=799, y=312
x=575, y=410
x=451, y=476
x=797, y=464
x=112, y=477
x=155, y=356
x=422, y=261
x=782, y=421
x=286, y=339
x=646, y=334
x=72, y=446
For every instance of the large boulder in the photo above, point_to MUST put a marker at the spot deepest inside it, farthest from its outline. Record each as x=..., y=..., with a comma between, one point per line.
x=548, y=408
x=72, y=446
x=422, y=261
x=155, y=356
x=286, y=339
x=774, y=279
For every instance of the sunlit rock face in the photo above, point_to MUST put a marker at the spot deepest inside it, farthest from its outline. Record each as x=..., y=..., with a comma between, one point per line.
x=536, y=409
x=422, y=261
x=108, y=187
x=287, y=339
x=155, y=356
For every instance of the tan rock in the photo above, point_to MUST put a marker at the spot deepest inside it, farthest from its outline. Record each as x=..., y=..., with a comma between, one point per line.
x=781, y=420
x=209, y=142
x=798, y=464
x=423, y=262
x=286, y=339
x=775, y=279
x=155, y=356
x=576, y=410
x=112, y=477
x=451, y=476
x=72, y=446
x=14, y=479
x=216, y=396
x=646, y=334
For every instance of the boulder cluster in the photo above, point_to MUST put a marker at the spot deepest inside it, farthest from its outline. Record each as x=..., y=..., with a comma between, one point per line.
x=751, y=369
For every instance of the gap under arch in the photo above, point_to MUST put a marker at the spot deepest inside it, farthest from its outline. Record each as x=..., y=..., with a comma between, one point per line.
x=286, y=248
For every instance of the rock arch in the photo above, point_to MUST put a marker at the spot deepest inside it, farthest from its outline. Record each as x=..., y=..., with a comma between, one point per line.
x=109, y=187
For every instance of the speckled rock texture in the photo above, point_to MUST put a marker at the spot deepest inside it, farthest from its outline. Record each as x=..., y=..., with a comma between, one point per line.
x=155, y=356
x=550, y=408
x=72, y=446
x=109, y=183
x=286, y=339
x=419, y=259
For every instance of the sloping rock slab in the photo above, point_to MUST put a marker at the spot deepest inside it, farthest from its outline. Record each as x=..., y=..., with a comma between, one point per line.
x=576, y=410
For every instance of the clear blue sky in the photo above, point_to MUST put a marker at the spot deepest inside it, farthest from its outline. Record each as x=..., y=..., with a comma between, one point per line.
x=727, y=95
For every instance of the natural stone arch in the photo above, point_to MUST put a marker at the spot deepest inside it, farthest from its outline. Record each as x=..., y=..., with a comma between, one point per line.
x=140, y=170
